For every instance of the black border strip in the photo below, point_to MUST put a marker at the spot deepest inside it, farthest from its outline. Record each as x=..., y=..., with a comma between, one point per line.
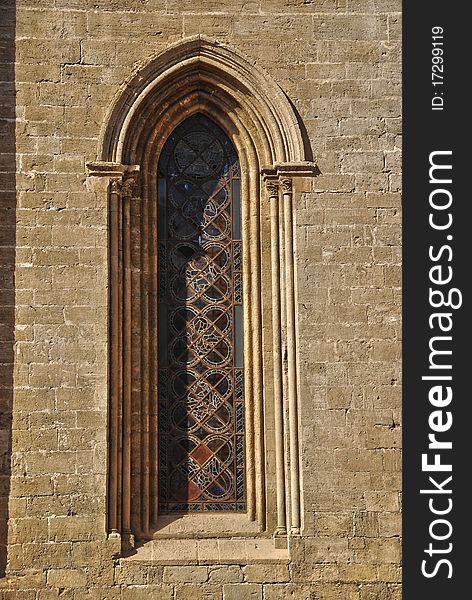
x=441, y=126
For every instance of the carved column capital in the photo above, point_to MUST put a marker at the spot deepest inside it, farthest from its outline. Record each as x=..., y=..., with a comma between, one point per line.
x=129, y=185
x=116, y=185
x=272, y=187
x=286, y=185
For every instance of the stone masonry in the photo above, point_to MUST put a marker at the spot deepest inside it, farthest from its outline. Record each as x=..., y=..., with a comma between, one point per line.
x=61, y=64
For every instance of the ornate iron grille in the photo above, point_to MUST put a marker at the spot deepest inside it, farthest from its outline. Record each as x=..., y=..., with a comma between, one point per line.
x=201, y=382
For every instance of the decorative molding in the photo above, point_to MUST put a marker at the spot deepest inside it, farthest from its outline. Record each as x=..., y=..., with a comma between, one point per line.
x=209, y=69
x=109, y=169
x=296, y=169
x=300, y=173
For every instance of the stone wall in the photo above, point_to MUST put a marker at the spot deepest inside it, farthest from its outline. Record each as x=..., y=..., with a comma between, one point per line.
x=339, y=63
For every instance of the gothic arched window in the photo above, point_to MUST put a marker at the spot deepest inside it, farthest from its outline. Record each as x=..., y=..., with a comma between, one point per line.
x=201, y=385
x=204, y=163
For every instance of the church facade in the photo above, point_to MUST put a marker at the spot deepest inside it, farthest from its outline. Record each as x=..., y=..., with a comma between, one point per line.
x=201, y=300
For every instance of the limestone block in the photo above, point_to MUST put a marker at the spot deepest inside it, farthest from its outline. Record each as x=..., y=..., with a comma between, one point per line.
x=185, y=574
x=266, y=573
x=286, y=591
x=198, y=592
x=244, y=591
x=146, y=592
x=227, y=574
x=66, y=578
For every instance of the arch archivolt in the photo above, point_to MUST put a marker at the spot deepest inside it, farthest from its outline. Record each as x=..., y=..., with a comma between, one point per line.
x=207, y=66
x=200, y=75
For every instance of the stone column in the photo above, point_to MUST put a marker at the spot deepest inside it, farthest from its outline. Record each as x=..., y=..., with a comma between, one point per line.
x=130, y=517
x=120, y=180
x=286, y=186
x=273, y=193
x=114, y=516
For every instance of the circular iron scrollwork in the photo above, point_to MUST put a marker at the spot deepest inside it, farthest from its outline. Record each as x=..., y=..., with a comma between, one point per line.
x=201, y=383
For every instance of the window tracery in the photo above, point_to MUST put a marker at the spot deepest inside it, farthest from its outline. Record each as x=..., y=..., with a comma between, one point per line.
x=201, y=378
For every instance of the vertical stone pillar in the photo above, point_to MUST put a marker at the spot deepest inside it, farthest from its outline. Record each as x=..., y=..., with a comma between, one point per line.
x=272, y=187
x=124, y=250
x=246, y=209
x=147, y=366
x=256, y=341
x=114, y=516
x=295, y=521
x=127, y=355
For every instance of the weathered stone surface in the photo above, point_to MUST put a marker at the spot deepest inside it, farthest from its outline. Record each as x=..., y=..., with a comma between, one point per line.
x=146, y=592
x=266, y=573
x=64, y=578
x=192, y=574
x=244, y=591
x=288, y=591
x=198, y=592
x=227, y=574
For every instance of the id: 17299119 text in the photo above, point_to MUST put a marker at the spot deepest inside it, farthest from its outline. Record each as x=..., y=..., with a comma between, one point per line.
x=437, y=68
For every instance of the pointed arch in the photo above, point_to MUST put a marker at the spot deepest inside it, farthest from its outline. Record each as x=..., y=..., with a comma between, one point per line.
x=204, y=73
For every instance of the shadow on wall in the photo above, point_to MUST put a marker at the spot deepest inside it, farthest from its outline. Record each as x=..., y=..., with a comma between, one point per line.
x=304, y=134
x=7, y=256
